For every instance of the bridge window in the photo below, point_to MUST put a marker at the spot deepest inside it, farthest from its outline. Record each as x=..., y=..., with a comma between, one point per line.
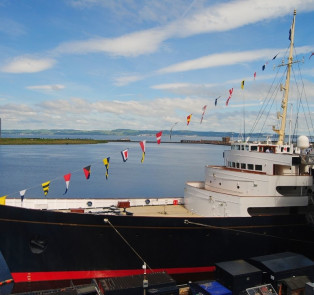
x=258, y=167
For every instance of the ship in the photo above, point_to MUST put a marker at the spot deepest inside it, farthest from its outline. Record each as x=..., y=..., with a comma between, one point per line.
x=258, y=202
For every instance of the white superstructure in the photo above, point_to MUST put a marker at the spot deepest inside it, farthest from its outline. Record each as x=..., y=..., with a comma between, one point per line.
x=254, y=176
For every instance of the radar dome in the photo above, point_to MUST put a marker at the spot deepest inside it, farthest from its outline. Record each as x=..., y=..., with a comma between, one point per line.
x=303, y=142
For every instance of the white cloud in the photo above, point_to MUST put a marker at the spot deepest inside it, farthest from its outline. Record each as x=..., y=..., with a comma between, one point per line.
x=174, y=86
x=214, y=60
x=47, y=87
x=228, y=58
x=135, y=44
x=127, y=79
x=160, y=113
x=28, y=65
x=14, y=112
x=235, y=14
x=214, y=18
x=188, y=89
x=136, y=11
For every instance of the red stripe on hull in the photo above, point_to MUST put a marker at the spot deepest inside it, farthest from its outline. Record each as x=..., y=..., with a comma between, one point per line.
x=21, y=277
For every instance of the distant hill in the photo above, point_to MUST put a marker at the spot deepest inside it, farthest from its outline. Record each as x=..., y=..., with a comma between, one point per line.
x=115, y=132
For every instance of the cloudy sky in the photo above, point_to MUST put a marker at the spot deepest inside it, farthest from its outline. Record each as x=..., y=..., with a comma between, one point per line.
x=139, y=64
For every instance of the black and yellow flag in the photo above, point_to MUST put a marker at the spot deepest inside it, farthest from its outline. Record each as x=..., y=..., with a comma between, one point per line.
x=106, y=163
x=45, y=186
x=242, y=84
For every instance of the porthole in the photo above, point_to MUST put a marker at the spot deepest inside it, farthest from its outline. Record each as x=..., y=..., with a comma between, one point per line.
x=38, y=244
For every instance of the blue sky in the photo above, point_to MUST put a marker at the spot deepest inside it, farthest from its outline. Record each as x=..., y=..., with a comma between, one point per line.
x=107, y=64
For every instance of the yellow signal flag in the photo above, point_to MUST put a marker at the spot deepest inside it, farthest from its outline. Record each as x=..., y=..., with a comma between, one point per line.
x=2, y=200
x=242, y=84
x=143, y=157
x=45, y=186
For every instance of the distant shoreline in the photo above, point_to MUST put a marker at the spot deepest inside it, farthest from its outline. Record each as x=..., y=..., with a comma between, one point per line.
x=35, y=141
x=62, y=141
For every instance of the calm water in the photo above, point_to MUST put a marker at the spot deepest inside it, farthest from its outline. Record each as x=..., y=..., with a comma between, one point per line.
x=163, y=174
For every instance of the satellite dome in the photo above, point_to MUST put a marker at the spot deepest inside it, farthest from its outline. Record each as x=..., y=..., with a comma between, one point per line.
x=303, y=142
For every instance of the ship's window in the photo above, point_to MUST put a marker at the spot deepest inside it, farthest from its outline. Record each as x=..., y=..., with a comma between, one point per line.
x=233, y=164
x=238, y=165
x=237, y=147
x=296, y=161
x=38, y=244
x=243, y=166
x=250, y=166
x=246, y=147
x=242, y=147
x=254, y=148
x=258, y=167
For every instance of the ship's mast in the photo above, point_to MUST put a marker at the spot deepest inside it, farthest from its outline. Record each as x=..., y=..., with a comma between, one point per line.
x=284, y=104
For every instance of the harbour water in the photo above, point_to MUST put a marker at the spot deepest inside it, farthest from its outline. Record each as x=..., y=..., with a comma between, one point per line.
x=163, y=173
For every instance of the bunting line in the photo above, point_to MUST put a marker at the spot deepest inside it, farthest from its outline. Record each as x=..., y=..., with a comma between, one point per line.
x=124, y=153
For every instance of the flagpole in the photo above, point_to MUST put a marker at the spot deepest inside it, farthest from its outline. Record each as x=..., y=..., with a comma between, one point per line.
x=284, y=104
x=242, y=87
x=243, y=116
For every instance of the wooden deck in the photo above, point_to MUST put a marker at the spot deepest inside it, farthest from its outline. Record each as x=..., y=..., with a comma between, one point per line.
x=161, y=211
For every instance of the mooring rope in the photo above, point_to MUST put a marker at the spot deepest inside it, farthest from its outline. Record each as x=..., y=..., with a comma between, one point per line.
x=245, y=232
x=106, y=220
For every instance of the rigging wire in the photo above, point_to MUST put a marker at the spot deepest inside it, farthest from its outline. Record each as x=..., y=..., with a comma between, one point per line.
x=106, y=220
x=301, y=94
x=245, y=232
x=266, y=103
x=274, y=94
